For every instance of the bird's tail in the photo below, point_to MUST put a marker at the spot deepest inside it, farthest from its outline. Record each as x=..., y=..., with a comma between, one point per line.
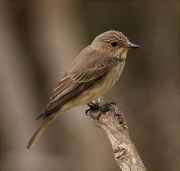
x=47, y=120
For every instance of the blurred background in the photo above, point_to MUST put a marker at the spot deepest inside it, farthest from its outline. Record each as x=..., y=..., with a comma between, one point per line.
x=39, y=41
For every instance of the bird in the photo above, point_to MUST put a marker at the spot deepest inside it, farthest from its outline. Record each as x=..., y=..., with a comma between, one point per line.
x=93, y=72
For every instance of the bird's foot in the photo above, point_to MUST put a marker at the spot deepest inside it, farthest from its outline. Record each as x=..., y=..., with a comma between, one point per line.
x=105, y=108
x=92, y=106
x=102, y=109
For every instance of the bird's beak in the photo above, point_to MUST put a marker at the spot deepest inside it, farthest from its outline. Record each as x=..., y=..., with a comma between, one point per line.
x=132, y=46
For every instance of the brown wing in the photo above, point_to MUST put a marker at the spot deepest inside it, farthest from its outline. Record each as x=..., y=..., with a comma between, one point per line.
x=75, y=82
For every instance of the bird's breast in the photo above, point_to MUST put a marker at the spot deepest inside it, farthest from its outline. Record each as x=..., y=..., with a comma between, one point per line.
x=103, y=85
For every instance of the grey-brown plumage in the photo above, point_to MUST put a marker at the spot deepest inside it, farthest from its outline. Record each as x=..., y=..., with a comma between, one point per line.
x=94, y=71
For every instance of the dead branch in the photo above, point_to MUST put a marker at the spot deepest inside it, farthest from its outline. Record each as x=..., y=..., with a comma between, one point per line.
x=114, y=123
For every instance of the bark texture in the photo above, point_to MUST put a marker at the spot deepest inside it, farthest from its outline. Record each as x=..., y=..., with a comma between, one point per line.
x=113, y=122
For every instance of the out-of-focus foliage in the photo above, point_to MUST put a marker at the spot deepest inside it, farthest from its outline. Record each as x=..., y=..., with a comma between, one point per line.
x=39, y=40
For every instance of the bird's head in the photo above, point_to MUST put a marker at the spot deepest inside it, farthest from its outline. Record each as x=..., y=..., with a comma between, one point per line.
x=113, y=43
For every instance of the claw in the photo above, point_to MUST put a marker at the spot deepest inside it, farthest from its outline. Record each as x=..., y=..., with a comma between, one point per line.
x=110, y=104
x=99, y=114
x=95, y=106
x=87, y=111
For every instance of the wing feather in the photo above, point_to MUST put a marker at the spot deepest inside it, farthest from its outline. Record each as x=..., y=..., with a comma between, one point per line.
x=76, y=81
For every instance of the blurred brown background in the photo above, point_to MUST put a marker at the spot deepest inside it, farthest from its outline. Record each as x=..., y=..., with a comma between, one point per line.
x=39, y=41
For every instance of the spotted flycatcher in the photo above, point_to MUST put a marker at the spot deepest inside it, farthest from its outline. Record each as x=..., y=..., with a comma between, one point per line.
x=93, y=72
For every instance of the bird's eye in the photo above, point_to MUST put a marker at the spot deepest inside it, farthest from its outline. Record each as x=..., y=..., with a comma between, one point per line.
x=114, y=44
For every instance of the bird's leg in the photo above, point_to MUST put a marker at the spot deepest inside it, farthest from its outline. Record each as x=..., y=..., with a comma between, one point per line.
x=96, y=106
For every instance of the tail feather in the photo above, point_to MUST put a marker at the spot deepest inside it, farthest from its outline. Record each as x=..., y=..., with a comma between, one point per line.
x=47, y=120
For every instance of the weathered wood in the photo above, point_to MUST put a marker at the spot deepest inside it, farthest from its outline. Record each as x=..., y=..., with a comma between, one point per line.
x=114, y=123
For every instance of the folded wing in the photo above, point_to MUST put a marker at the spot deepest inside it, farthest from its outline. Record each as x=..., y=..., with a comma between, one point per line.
x=72, y=85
